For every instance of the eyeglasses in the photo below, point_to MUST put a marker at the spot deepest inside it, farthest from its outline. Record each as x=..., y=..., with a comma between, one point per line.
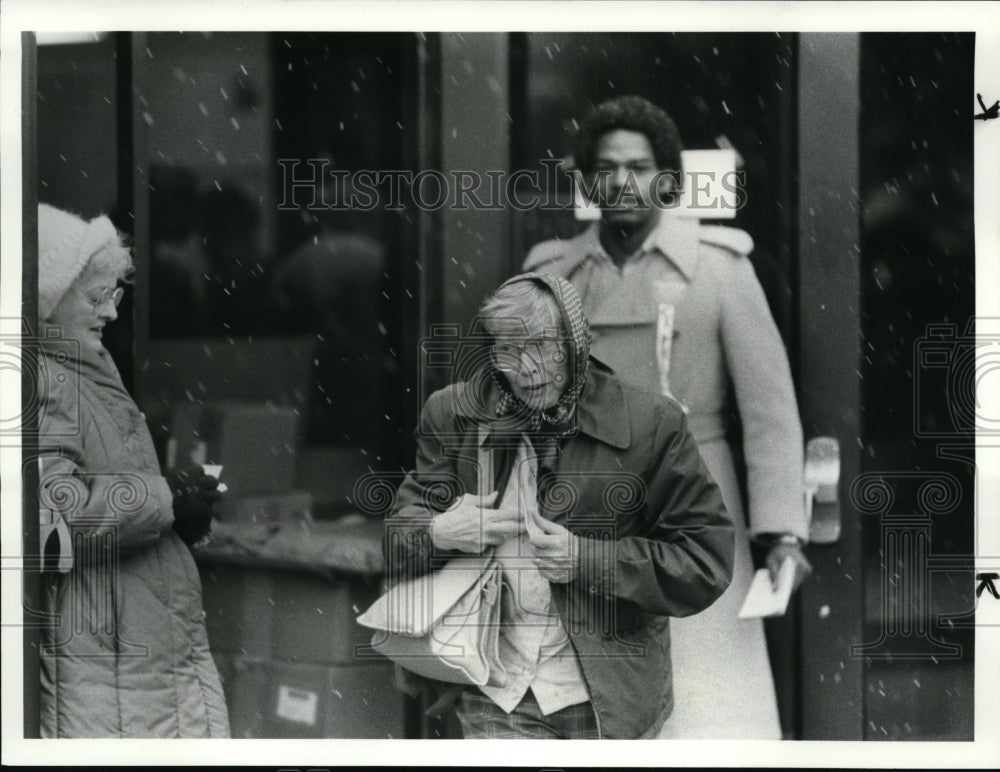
x=507, y=355
x=114, y=295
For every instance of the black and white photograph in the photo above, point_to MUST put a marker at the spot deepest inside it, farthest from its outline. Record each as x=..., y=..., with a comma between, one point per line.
x=405, y=374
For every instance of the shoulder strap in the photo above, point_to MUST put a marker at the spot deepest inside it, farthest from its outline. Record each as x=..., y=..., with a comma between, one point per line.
x=557, y=256
x=732, y=239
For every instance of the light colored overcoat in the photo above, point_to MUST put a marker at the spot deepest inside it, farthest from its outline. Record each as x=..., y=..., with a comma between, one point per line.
x=687, y=316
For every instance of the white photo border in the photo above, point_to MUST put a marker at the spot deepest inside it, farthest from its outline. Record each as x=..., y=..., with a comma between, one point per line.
x=983, y=18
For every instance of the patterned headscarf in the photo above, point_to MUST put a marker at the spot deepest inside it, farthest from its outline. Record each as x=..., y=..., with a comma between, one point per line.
x=558, y=418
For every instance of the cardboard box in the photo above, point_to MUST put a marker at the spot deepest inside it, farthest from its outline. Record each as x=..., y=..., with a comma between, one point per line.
x=316, y=622
x=287, y=615
x=273, y=699
x=266, y=507
x=331, y=473
x=239, y=610
x=216, y=368
x=256, y=443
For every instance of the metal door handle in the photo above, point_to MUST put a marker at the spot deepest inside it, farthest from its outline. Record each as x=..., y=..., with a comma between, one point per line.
x=821, y=478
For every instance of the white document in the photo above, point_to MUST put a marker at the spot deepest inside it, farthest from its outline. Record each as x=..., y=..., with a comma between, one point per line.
x=215, y=470
x=298, y=705
x=764, y=601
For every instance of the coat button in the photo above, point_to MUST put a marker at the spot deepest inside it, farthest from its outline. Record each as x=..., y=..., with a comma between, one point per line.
x=592, y=590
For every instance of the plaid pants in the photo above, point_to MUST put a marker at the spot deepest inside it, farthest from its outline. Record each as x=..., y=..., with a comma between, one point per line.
x=483, y=719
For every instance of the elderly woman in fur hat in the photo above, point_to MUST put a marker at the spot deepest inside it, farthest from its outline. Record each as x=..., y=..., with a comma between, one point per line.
x=125, y=653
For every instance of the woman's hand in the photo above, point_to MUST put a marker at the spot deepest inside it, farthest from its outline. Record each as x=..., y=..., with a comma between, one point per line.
x=471, y=524
x=557, y=551
x=194, y=494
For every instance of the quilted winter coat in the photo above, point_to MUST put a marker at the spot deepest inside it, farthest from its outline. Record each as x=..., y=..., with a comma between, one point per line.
x=125, y=653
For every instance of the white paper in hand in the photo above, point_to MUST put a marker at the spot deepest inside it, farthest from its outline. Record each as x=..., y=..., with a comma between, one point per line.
x=764, y=601
x=215, y=470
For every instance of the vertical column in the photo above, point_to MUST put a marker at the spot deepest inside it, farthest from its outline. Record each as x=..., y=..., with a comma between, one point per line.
x=475, y=137
x=133, y=195
x=31, y=584
x=829, y=353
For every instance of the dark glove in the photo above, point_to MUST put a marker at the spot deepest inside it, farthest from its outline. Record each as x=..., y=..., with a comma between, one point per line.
x=194, y=494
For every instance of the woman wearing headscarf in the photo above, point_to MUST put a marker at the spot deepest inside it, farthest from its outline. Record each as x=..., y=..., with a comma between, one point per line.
x=125, y=652
x=597, y=504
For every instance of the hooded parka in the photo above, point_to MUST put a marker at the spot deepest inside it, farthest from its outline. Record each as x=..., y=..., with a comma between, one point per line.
x=124, y=650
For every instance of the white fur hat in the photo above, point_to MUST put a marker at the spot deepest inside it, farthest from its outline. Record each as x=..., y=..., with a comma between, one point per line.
x=66, y=243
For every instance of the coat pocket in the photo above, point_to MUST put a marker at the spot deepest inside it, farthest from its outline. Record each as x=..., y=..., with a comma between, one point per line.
x=628, y=618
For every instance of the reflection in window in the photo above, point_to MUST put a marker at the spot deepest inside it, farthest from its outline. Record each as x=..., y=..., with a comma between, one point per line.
x=229, y=268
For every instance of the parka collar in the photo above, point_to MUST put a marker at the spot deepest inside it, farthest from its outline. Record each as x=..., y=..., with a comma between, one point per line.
x=95, y=365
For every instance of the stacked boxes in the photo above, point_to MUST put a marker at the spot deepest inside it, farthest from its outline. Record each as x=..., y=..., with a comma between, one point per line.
x=266, y=507
x=290, y=615
x=285, y=640
x=294, y=657
x=257, y=446
x=256, y=443
x=283, y=699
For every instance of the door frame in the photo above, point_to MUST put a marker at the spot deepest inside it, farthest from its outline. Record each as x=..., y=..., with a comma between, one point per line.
x=831, y=682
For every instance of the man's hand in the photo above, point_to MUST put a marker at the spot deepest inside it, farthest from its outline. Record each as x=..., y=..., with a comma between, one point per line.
x=777, y=556
x=557, y=550
x=194, y=494
x=471, y=524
